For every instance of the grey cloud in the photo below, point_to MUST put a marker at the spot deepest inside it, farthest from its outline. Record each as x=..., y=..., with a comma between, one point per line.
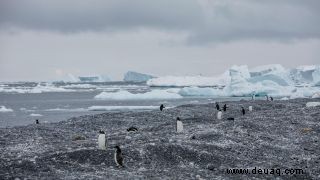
x=95, y=15
x=205, y=21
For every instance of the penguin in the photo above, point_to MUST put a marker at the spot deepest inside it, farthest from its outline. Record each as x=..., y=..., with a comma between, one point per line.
x=243, y=111
x=267, y=97
x=217, y=106
x=102, y=140
x=250, y=108
x=132, y=129
x=219, y=115
x=230, y=118
x=161, y=107
x=118, y=158
x=37, y=121
x=225, y=107
x=271, y=98
x=253, y=96
x=179, y=127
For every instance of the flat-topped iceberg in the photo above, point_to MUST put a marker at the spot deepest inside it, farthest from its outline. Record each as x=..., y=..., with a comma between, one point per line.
x=95, y=78
x=132, y=76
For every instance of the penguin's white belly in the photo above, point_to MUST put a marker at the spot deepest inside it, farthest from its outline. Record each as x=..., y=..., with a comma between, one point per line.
x=179, y=126
x=250, y=108
x=102, y=141
x=219, y=115
x=115, y=158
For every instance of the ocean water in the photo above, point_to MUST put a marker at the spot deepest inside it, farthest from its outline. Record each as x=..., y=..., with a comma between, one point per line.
x=54, y=102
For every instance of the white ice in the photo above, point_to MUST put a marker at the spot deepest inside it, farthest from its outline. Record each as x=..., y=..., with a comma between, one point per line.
x=35, y=115
x=131, y=76
x=4, y=109
x=313, y=104
x=125, y=95
x=110, y=108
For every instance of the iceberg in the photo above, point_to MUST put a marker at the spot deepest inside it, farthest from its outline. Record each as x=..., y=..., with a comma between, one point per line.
x=98, y=78
x=316, y=76
x=316, y=95
x=126, y=95
x=302, y=75
x=4, y=109
x=131, y=76
x=272, y=80
x=197, y=91
x=180, y=81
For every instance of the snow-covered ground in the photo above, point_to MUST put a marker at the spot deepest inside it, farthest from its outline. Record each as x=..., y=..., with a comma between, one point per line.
x=275, y=135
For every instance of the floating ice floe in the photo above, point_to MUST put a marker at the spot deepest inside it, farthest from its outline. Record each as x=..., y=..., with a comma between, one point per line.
x=110, y=108
x=125, y=95
x=312, y=104
x=35, y=115
x=40, y=88
x=4, y=109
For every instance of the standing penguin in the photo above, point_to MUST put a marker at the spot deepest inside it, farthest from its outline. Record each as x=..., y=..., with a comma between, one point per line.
x=161, y=107
x=102, y=140
x=37, y=121
x=179, y=127
x=219, y=115
x=253, y=96
x=267, y=97
x=250, y=108
x=243, y=111
x=217, y=106
x=271, y=98
x=118, y=158
x=225, y=107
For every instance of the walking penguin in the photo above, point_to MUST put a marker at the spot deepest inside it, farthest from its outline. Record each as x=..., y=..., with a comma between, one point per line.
x=225, y=107
x=118, y=158
x=161, y=107
x=217, y=106
x=243, y=111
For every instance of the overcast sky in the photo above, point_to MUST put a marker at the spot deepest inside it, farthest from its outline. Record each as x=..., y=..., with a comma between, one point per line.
x=46, y=40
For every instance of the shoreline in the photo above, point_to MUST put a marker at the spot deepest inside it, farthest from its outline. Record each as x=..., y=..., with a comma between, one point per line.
x=278, y=134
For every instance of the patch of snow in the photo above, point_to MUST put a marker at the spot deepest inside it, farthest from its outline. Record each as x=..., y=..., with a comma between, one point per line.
x=313, y=104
